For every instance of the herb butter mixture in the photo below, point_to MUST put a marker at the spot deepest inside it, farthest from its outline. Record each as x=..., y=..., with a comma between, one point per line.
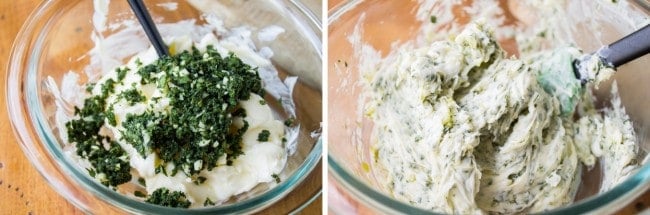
x=459, y=128
x=192, y=128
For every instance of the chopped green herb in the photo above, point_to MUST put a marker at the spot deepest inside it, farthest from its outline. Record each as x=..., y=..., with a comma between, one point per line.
x=263, y=136
x=110, y=166
x=161, y=169
x=433, y=19
x=262, y=102
x=542, y=34
x=162, y=196
x=277, y=178
x=108, y=87
x=110, y=116
x=115, y=170
x=203, y=91
x=89, y=87
x=142, y=182
x=289, y=121
x=135, y=126
x=121, y=73
x=132, y=96
x=241, y=112
x=200, y=180
x=208, y=202
x=156, y=99
x=209, y=98
x=146, y=72
x=139, y=194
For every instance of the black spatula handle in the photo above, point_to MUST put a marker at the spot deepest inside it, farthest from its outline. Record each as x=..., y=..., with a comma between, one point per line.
x=627, y=49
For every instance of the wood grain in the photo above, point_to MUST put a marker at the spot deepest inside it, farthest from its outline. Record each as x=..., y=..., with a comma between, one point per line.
x=24, y=191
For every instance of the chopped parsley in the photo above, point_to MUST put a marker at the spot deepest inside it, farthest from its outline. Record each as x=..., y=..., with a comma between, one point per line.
x=200, y=180
x=134, y=128
x=433, y=19
x=241, y=112
x=208, y=202
x=164, y=197
x=264, y=136
x=203, y=93
x=108, y=87
x=289, y=121
x=110, y=164
x=139, y=194
x=142, y=182
x=110, y=116
x=121, y=73
x=161, y=169
x=89, y=87
x=193, y=133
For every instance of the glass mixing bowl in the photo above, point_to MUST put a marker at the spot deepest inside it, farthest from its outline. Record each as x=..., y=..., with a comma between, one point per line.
x=386, y=24
x=57, y=38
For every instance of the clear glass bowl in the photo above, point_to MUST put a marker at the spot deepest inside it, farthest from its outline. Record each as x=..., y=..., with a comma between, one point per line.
x=353, y=187
x=57, y=38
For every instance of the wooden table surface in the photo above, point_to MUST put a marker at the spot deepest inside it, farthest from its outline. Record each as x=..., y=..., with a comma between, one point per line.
x=24, y=191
